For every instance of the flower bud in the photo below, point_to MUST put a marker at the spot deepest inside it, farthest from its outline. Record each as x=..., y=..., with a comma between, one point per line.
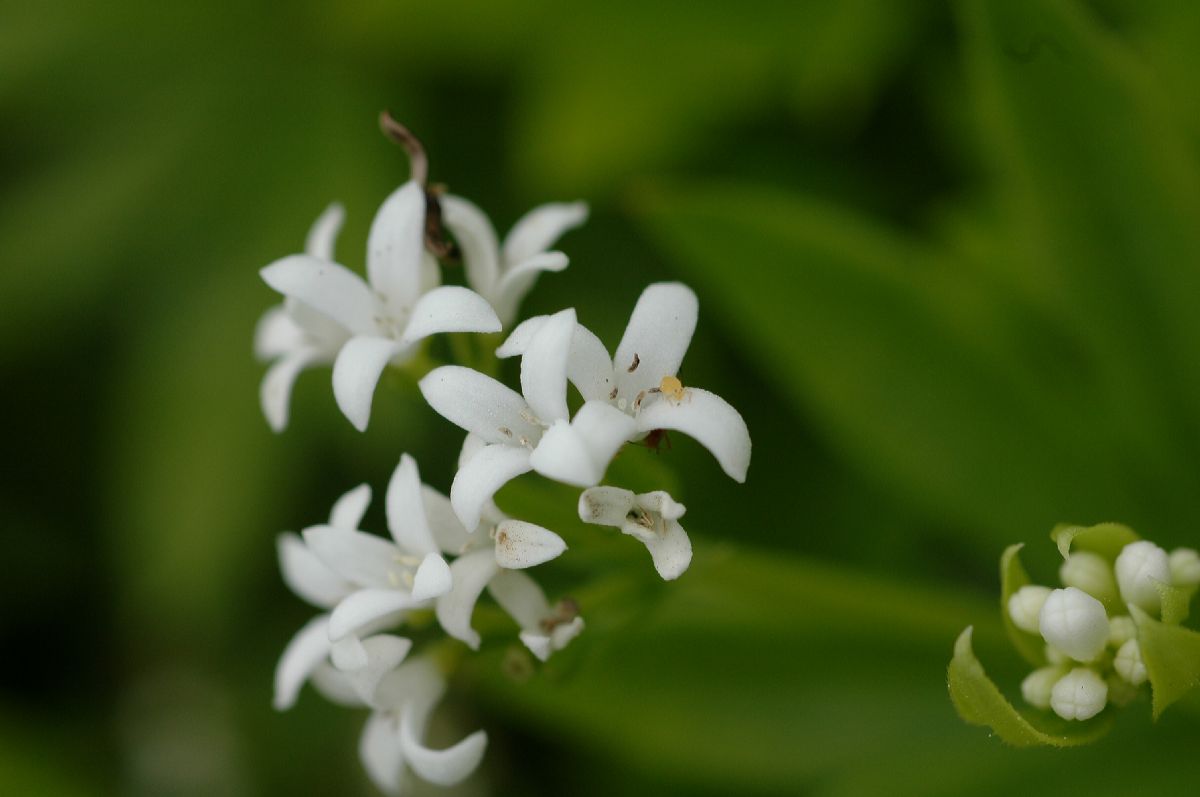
x=1037, y=685
x=1121, y=629
x=1141, y=567
x=1185, y=567
x=1024, y=606
x=1056, y=656
x=1079, y=695
x=1075, y=623
x=1091, y=573
x=1129, y=664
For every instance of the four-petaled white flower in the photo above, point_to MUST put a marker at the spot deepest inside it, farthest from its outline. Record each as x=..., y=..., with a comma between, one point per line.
x=384, y=316
x=504, y=274
x=530, y=431
x=642, y=381
x=651, y=517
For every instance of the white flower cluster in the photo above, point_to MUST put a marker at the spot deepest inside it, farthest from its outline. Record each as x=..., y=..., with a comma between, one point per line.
x=444, y=552
x=1091, y=641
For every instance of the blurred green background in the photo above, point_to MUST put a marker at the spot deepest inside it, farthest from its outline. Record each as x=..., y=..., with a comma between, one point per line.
x=948, y=258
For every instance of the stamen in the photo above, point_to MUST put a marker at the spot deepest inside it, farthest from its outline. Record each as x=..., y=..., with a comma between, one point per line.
x=418, y=161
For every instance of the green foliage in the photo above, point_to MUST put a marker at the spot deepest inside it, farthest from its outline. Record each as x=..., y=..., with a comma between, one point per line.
x=1012, y=577
x=1105, y=539
x=1172, y=657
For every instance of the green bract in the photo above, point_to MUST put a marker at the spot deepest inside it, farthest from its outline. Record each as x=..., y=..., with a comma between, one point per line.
x=1012, y=578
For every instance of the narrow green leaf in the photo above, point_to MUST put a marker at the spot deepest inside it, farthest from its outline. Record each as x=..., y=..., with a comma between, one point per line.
x=1172, y=657
x=1105, y=539
x=979, y=702
x=1012, y=577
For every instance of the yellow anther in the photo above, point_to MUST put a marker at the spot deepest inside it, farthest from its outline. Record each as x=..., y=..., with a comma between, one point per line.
x=671, y=387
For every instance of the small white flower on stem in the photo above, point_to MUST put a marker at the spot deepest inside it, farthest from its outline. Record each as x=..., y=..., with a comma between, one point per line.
x=651, y=517
x=1079, y=695
x=505, y=274
x=1075, y=623
x=384, y=316
x=1128, y=663
x=642, y=380
x=1141, y=568
x=1025, y=605
x=1184, y=564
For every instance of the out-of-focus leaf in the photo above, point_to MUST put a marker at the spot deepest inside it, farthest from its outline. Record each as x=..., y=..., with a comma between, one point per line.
x=1175, y=603
x=1172, y=657
x=1012, y=577
x=1105, y=539
x=979, y=702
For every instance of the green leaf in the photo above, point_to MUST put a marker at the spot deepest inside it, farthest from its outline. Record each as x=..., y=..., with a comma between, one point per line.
x=1012, y=577
x=1176, y=603
x=979, y=702
x=1105, y=539
x=1172, y=657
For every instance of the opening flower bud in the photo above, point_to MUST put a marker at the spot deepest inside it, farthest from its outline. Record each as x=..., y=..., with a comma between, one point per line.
x=1129, y=665
x=1141, y=567
x=1184, y=564
x=1038, y=684
x=1075, y=623
x=1025, y=604
x=1079, y=695
x=1091, y=573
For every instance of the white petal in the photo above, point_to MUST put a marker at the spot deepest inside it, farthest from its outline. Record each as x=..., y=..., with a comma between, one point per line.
x=362, y=559
x=605, y=506
x=471, y=445
x=307, y=575
x=538, y=643
x=307, y=649
x=348, y=653
x=447, y=529
x=417, y=679
x=563, y=455
x=537, y=230
x=476, y=482
x=661, y=502
x=589, y=367
x=520, y=545
x=323, y=234
x=518, y=280
x=656, y=338
x=382, y=654
x=406, y=510
x=543, y=644
x=710, y=420
x=604, y=429
x=334, y=686
x=329, y=288
x=320, y=330
x=443, y=767
x=368, y=609
x=395, y=245
x=433, y=578
x=450, y=308
x=276, y=334
x=471, y=573
x=521, y=597
x=356, y=372
x=544, y=367
x=479, y=404
x=477, y=238
x=381, y=754
x=518, y=339
x=348, y=511
x=670, y=548
x=275, y=392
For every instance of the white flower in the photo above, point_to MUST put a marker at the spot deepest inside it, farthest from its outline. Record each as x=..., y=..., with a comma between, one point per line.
x=293, y=335
x=1079, y=695
x=1075, y=623
x=503, y=275
x=367, y=581
x=642, y=380
x=1128, y=663
x=1091, y=573
x=1141, y=567
x=652, y=518
x=1037, y=686
x=384, y=316
x=525, y=432
x=1025, y=604
x=1185, y=567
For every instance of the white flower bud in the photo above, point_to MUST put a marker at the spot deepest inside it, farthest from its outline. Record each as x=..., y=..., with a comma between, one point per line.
x=1024, y=606
x=1091, y=573
x=1079, y=695
x=1075, y=623
x=1037, y=685
x=1121, y=629
x=1185, y=567
x=1129, y=664
x=1141, y=567
x=1056, y=656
